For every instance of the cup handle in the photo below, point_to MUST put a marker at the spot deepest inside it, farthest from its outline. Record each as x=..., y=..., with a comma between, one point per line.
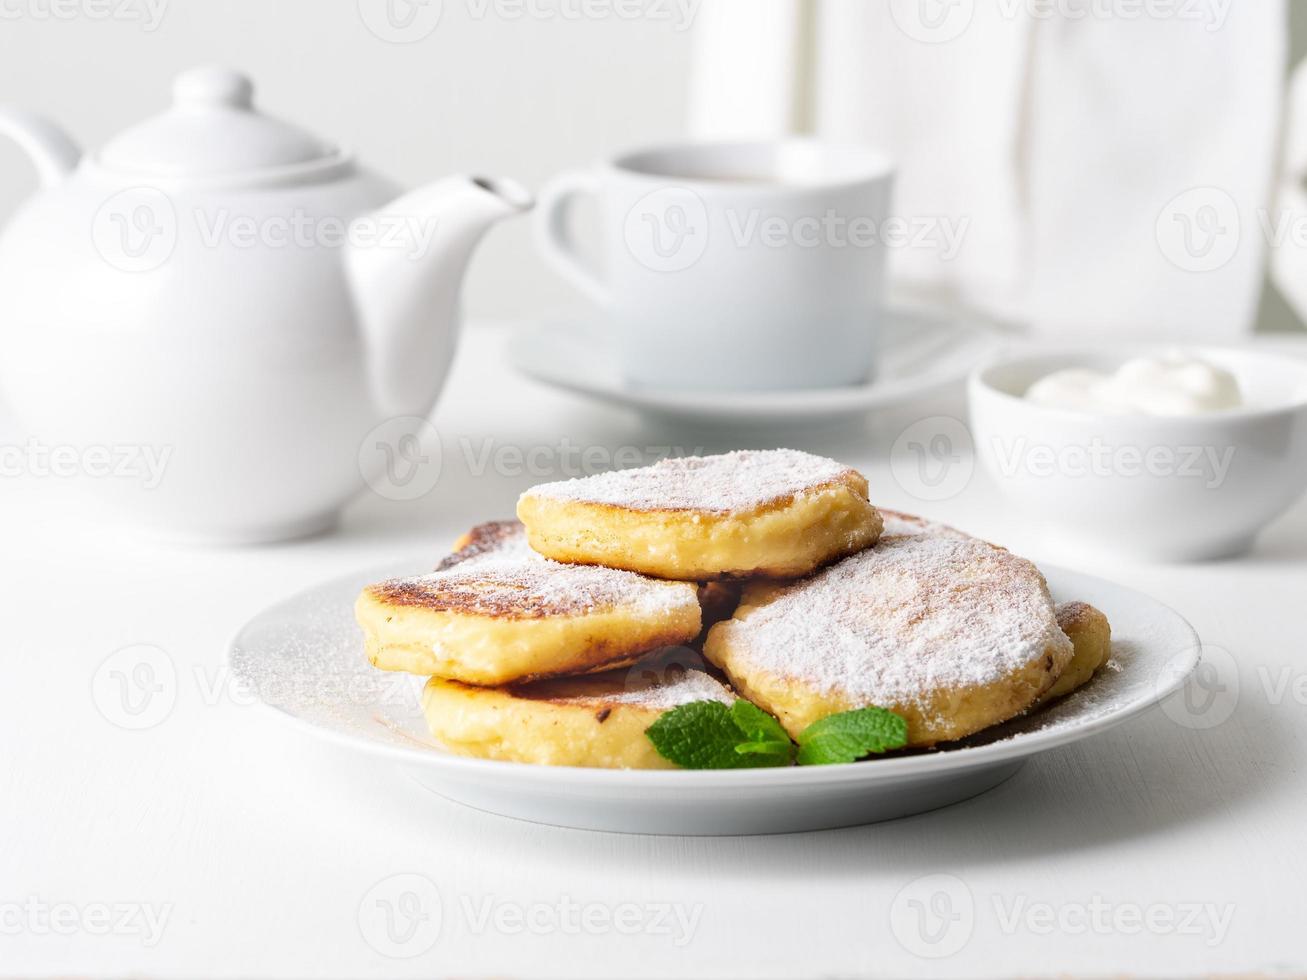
x=554, y=235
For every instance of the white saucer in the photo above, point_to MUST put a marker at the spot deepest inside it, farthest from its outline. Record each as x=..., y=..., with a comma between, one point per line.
x=304, y=657
x=920, y=352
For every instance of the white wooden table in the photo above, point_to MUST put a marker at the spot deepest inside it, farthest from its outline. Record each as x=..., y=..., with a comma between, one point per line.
x=222, y=842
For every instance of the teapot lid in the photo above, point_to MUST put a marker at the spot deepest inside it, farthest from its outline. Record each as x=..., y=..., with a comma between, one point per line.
x=212, y=129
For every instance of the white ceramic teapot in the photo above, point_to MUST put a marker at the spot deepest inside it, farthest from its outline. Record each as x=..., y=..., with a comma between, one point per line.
x=236, y=297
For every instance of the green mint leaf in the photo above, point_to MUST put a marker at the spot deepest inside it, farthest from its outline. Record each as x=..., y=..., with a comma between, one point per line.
x=778, y=753
x=850, y=736
x=710, y=735
x=757, y=724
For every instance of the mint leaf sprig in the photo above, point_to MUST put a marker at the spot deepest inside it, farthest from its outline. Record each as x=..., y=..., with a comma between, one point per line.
x=712, y=735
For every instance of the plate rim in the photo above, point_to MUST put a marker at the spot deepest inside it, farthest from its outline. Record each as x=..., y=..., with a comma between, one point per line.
x=923, y=766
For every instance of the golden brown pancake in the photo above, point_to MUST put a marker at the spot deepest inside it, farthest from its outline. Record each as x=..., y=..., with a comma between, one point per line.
x=498, y=618
x=598, y=720
x=949, y=632
x=777, y=514
x=1091, y=635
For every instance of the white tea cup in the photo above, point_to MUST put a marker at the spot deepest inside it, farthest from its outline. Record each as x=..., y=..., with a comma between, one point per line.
x=733, y=266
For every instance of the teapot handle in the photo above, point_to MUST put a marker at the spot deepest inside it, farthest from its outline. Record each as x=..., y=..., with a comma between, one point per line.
x=52, y=151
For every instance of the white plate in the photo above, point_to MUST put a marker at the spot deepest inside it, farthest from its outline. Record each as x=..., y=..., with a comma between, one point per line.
x=304, y=657
x=920, y=353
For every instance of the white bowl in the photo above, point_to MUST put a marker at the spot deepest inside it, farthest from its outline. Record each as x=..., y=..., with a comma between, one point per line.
x=1168, y=489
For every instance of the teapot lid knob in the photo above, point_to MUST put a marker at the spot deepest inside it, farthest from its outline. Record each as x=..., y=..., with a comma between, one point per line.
x=213, y=87
x=212, y=129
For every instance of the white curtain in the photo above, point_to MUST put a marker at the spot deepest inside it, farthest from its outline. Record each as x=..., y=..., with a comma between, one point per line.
x=1092, y=168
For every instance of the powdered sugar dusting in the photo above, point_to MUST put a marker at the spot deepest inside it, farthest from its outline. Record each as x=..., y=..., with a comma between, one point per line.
x=898, y=523
x=734, y=481
x=530, y=587
x=682, y=688
x=921, y=611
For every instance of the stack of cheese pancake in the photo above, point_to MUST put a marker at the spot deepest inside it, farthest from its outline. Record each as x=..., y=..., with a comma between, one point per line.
x=561, y=638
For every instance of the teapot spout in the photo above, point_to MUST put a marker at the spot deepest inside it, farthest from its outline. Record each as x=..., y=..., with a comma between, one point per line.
x=405, y=264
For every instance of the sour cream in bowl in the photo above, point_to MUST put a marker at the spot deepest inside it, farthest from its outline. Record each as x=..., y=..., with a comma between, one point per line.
x=1149, y=452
